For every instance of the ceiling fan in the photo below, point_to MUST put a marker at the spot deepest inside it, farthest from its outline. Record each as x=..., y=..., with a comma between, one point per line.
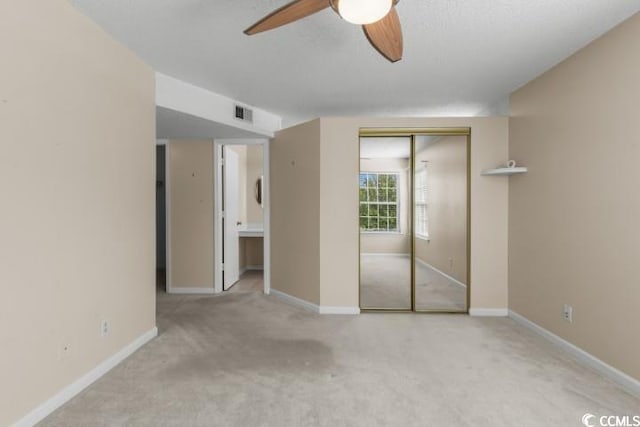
x=378, y=18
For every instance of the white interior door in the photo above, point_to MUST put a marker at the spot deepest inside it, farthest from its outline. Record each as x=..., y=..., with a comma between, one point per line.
x=231, y=271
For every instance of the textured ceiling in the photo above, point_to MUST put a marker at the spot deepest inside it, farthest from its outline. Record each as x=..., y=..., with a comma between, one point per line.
x=461, y=57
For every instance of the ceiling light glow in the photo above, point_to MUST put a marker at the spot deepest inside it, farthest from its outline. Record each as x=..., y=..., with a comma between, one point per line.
x=362, y=12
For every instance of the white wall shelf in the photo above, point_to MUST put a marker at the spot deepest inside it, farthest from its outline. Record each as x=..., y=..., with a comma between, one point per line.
x=504, y=171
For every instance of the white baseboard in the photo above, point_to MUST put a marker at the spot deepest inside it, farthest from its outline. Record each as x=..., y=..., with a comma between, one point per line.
x=442, y=273
x=314, y=307
x=327, y=309
x=489, y=312
x=296, y=301
x=627, y=382
x=177, y=290
x=374, y=254
x=70, y=391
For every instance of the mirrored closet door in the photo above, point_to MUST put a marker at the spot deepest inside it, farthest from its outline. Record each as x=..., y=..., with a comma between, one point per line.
x=385, y=223
x=440, y=217
x=414, y=221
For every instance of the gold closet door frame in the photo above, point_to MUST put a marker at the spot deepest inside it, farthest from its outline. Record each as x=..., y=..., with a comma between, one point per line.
x=413, y=132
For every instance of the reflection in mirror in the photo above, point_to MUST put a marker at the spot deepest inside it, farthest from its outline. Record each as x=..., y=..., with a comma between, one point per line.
x=385, y=223
x=440, y=217
x=257, y=189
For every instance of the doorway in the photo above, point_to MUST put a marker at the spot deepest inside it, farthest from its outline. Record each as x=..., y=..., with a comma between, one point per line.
x=161, y=217
x=414, y=221
x=241, y=215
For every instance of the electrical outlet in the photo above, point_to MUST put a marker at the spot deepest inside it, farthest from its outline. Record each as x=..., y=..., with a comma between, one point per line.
x=105, y=327
x=567, y=313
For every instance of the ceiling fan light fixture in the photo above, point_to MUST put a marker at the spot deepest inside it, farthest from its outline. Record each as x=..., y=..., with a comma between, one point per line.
x=363, y=12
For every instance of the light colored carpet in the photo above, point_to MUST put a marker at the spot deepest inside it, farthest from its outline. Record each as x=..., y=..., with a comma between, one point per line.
x=247, y=359
x=386, y=283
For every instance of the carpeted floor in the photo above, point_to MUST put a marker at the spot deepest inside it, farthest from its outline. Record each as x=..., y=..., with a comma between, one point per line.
x=246, y=359
x=386, y=283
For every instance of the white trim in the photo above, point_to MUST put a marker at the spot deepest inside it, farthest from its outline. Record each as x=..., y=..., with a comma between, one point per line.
x=322, y=309
x=489, y=312
x=70, y=391
x=217, y=217
x=442, y=273
x=327, y=309
x=395, y=255
x=627, y=382
x=296, y=301
x=191, y=290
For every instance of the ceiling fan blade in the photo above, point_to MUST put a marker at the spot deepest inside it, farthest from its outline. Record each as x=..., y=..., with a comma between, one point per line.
x=386, y=36
x=293, y=11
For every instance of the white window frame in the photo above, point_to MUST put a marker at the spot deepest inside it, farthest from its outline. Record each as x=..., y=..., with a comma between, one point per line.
x=397, y=230
x=421, y=203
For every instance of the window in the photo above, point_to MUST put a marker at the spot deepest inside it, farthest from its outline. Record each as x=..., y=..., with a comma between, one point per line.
x=421, y=216
x=379, y=202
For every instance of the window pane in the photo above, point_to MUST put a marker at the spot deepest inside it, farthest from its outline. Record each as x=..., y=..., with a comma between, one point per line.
x=392, y=196
x=363, y=180
x=373, y=210
x=364, y=223
x=363, y=195
x=373, y=195
x=364, y=210
x=382, y=193
x=373, y=224
x=383, y=224
x=372, y=180
x=383, y=210
x=392, y=181
x=392, y=212
x=393, y=224
x=382, y=180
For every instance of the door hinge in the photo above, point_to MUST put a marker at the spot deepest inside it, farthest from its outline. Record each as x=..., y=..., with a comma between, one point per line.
x=222, y=214
x=222, y=162
x=222, y=266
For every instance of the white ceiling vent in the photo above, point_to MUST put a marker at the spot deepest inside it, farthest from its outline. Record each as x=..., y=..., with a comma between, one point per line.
x=244, y=114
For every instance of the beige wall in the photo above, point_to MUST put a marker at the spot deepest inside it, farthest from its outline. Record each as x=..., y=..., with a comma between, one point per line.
x=78, y=199
x=339, y=234
x=295, y=211
x=191, y=213
x=446, y=248
x=390, y=243
x=254, y=252
x=574, y=236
